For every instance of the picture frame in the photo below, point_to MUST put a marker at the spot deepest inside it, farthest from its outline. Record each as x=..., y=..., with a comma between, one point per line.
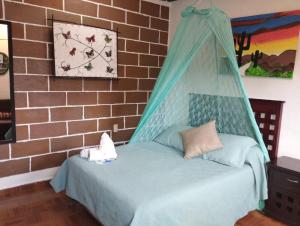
x=84, y=51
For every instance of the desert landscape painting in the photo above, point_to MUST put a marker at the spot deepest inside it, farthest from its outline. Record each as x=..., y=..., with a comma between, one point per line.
x=266, y=44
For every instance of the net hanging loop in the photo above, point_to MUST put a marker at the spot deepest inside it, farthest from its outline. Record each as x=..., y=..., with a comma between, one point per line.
x=201, y=1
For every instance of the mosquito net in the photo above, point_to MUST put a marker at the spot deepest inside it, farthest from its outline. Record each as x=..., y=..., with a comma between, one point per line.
x=200, y=81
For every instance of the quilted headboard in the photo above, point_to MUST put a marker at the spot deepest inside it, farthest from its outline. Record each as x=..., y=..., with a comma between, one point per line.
x=268, y=114
x=230, y=116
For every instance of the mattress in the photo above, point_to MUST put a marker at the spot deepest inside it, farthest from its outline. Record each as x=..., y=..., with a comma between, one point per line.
x=152, y=185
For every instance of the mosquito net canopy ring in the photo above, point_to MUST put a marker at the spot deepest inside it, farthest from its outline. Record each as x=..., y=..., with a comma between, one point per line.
x=200, y=81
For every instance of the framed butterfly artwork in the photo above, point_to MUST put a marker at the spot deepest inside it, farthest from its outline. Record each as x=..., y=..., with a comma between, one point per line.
x=84, y=51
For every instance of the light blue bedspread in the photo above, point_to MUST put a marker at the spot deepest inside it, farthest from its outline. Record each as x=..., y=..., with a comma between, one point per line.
x=152, y=185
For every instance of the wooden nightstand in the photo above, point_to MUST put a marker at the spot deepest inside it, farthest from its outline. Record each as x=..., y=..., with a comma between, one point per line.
x=284, y=190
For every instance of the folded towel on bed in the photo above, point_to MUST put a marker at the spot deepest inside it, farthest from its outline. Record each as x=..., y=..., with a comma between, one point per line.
x=106, y=150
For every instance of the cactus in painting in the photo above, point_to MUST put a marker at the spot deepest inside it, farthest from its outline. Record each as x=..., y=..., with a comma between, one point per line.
x=255, y=57
x=239, y=43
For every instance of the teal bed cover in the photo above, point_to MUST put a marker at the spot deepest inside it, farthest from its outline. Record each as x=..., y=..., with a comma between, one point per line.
x=152, y=185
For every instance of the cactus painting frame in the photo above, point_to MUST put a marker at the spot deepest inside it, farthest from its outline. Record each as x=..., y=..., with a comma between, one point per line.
x=266, y=44
x=84, y=51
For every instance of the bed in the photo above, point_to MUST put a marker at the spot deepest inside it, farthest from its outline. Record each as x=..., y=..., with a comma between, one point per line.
x=150, y=184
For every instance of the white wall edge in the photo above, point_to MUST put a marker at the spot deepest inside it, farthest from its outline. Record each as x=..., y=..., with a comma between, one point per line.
x=27, y=178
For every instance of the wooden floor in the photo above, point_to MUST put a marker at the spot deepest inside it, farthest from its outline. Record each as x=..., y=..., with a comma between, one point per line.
x=38, y=205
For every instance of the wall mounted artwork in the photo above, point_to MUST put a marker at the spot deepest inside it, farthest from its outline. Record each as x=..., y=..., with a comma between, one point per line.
x=266, y=44
x=83, y=51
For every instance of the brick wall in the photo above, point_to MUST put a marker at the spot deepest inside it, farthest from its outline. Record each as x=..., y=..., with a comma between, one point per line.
x=56, y=117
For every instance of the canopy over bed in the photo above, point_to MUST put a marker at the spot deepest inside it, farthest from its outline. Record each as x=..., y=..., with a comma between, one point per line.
x=200, y=81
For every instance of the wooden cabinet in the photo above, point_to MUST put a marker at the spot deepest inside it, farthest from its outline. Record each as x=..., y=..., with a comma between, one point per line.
x=284, y=190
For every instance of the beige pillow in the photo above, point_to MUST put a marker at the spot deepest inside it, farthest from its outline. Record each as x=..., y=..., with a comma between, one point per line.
x=200, y=140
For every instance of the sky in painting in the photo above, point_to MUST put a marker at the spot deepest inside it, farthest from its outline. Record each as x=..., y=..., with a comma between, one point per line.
x=272, y=33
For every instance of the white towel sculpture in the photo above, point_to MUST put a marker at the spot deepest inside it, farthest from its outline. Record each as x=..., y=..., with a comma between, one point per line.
x=105, y=152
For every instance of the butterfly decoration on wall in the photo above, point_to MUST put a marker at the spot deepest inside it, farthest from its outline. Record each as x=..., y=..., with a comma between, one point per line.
x=90, y=53
x=72, y=52
x=109, y=69
x=89, y=66
x=108, y=53
x=107, y=39
x=67, y=35
x=84, y=51
x=91, y=39
x=66, y=67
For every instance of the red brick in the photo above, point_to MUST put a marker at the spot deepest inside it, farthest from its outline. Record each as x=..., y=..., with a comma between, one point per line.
x=148, y=60
x=82, y=126
x=26, y=116
x=50, y=51
x=146, y=84
x=133, y=5
x=136, y=46
x=150, y=8
x=47, y=130
x=22, y=133
x=110, y=97
x=96, y=22
x=128, y=58
x=107, y=2
x=107, y=124
x=24, y=13
x=149, y=35
x=47, y=161
x=66, y=143
x=96, y=111
x=81, y=7
x=92, y=139
x=132, y=122
x=125, y=84
x=136, y=97
x=57, y=4
x=17, y=30
x=96, y=84
x=123, y=135
x=19, y=65
x=44, y=99
x=141, y=108
x=158, y=49
x=44, y=67
x=30, y=148
x=121, y=71
x=29, y=49
x=73, y=152
x=38, y=33
x=154, y=72
x=30, y=83
x=164, y=12
x=4, y=151
x=79, y=98
x=58, y=15
x=66, y=113
x=127, y=31
x=20, y=100
x=159, y=24
x=65, y=84
x=161, y=61
x=121, y=44
x=163, y=37
x=136, y=72
x=13, y=167
x=111, y=13
x=124, y=109
x=138, y=19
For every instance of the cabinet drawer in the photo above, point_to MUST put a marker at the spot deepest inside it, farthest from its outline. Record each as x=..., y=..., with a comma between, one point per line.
x=286, y=180
x=283, y=205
